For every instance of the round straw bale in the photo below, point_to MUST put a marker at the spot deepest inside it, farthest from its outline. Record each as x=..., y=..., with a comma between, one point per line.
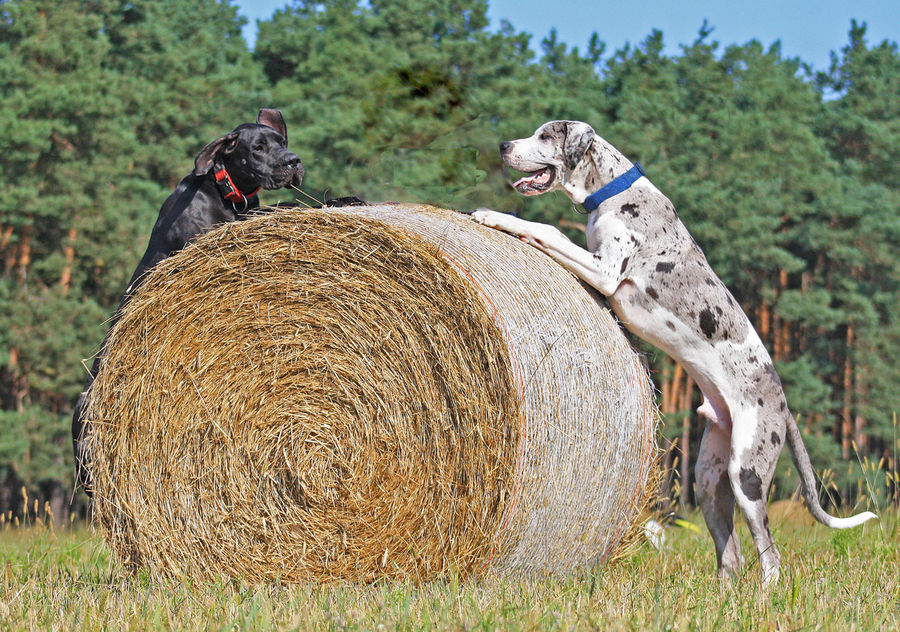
x=381, y=391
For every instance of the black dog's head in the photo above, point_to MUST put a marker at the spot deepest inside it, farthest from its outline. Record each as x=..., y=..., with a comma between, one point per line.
x=255, y=155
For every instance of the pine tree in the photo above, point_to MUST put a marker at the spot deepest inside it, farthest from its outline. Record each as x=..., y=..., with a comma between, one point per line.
x=398, y=100
x=789, y=182
x=862, y=125
x=102, y=107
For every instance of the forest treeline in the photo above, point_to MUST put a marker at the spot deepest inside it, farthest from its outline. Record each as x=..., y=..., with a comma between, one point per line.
x=786, y=175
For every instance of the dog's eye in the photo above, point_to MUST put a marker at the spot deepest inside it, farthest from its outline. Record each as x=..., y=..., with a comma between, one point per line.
x=258, y=147
x=544, y=136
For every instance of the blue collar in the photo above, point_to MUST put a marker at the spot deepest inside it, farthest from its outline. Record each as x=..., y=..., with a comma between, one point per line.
x=622, y=183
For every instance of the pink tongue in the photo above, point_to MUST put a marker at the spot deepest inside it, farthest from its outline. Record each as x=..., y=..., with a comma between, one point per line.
x=540, y=177
x=521, y=181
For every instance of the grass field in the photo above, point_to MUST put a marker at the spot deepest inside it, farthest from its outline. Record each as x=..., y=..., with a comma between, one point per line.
x=831, y=580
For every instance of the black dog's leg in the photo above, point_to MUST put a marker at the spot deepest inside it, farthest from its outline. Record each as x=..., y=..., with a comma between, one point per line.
x=350, y=200
x=81, y=433
x=81, y=428
x=251, y=157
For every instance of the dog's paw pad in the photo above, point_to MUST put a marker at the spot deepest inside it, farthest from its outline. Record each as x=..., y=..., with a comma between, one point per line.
x=534, y=242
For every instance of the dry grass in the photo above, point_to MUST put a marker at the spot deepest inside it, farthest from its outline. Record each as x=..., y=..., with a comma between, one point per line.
x=327, y=395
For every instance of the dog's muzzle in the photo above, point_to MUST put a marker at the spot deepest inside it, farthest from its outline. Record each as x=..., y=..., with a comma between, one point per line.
x=288, y=173
x=536, y=182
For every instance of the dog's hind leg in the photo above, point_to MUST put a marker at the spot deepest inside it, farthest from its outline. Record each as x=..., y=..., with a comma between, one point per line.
x=715, y=495
x=751, y=468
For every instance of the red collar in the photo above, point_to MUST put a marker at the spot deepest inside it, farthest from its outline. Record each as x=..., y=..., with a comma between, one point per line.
x=229, y=189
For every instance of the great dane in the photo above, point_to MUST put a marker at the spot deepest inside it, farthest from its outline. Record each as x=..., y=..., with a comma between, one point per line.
x=658, y=282
x=228, y=173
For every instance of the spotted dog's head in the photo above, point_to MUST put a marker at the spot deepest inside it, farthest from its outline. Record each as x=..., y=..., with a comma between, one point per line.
x=552, y=157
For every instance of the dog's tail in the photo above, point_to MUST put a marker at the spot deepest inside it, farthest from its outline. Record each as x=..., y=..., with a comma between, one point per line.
x=808, y=483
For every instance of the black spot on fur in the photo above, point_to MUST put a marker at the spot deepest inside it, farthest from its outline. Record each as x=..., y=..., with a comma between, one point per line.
x=751, y=484
x=624, y=265
x=631, y=209
x=752, y=360
x=775, y=438
x=710, y=281
x=652, y=293
x=772, y=373
x=708, y=323
x=760, y=401
x=634, y=240
x=782, y=407
x=665, y=266
x=670, y=325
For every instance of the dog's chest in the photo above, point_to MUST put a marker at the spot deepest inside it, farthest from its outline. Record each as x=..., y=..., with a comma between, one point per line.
x=640, y=237
x=636, y=230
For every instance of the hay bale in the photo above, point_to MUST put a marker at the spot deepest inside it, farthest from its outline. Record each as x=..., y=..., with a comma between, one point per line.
x=365, y=392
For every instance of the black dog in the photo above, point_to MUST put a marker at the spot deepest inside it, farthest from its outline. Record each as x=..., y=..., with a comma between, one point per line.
x=228, y=173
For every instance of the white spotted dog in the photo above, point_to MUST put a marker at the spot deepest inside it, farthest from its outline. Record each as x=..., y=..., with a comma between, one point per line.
x=657, y=280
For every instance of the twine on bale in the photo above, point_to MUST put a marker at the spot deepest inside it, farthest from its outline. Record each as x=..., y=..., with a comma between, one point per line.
x=386, y=391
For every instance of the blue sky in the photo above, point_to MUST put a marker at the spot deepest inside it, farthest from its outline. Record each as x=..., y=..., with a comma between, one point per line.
x=807, y=29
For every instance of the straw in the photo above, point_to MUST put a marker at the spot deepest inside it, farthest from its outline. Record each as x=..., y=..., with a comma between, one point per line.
x=366, y=392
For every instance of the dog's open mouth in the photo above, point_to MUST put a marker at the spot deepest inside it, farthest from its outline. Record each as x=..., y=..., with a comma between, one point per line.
x=536, y=182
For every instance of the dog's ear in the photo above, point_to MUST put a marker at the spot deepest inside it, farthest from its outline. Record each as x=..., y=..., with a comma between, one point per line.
x=579, y=137
x=207, y=156
x=272, y=118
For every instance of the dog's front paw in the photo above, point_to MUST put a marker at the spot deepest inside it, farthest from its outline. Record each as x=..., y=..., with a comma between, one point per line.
x=487, y=217
x=500, y=221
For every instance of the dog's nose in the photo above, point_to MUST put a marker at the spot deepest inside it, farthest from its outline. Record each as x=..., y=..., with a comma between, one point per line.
x=292, y=161
x=504, y=146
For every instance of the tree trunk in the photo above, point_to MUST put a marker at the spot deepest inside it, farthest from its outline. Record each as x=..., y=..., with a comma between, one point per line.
x=859, y=425
x=781, y=328
x=765, y=324
x=5, y=237
x=665, y=389
x=846, y=407
x=23, y=258
x=670, y=388
x=668, y=406
x=18, y=385
x=685, y=406
x=65, y=279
